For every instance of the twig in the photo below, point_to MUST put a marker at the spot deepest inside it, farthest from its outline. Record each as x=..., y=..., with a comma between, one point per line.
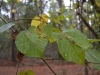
x=3, y=20
x=90, y=70
x=17, y=67
x=21, y=25
x=29, y=19
x=87, y=24
x=48, y=66
x=45, y=4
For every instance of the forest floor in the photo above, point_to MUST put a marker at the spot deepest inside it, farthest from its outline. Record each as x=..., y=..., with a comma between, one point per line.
x=60, y=67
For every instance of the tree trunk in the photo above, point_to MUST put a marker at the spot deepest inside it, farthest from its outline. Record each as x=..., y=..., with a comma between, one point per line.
x=13, y=56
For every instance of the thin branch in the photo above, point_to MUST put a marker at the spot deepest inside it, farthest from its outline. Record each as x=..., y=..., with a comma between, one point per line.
x=3, y=20
x=17, y=67
x=90, y=70
x=49, y=66
x=21, y=25
x=30, y=19
x=45, y=4
x=95, y=5
x=87, y=24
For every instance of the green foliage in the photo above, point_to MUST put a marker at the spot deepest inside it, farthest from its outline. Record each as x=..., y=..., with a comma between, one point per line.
x=93, y=56
x=94, y=40
x=79, y=38
x=28, y=72
x=48, y=29
x=60, y=17
x=55, y=20
x=29, y=43
x=70, y=51
x=6, y=26
x=73, y=45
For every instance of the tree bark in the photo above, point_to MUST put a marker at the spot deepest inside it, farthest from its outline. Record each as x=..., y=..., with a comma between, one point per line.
x=89, y=27
x=13, y=56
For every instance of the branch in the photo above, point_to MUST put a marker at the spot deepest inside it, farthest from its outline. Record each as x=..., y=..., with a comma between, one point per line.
x=90, y=70
x=49, y=66
x=30, y=19
x=95, y=5
x=87, y=24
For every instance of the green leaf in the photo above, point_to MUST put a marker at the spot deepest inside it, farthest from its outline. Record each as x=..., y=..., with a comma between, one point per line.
x=56, y=36
x=22, y=73
x=60, y=17
x=79, y=38
x=29, y=43
x=94, y=40
x=5, y=27
x=97, y=66
x=69, y=16
x=28, y=72
x=70, y=51
x=48, y=29
x=55, y=20
x=93, y=56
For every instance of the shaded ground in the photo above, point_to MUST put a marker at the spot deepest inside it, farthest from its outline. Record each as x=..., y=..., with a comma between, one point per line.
x=39, y=67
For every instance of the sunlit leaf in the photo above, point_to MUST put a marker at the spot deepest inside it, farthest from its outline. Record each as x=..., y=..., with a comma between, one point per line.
x=79, y=38
x=29, y=43
x=18, y=1
x=38, y=20
x=85, y=28
x=6, y=26
x=70, y=51
x=44, y=18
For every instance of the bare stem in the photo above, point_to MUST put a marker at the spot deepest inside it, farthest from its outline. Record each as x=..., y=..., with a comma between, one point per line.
x=49, y=66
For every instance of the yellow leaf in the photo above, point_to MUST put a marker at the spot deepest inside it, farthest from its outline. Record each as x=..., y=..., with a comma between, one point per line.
x=51, y=40
x=18, y=1
x=13, y=11
x=85, y=28
x=38, y=20
x=71, y=26
x=44, y=18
